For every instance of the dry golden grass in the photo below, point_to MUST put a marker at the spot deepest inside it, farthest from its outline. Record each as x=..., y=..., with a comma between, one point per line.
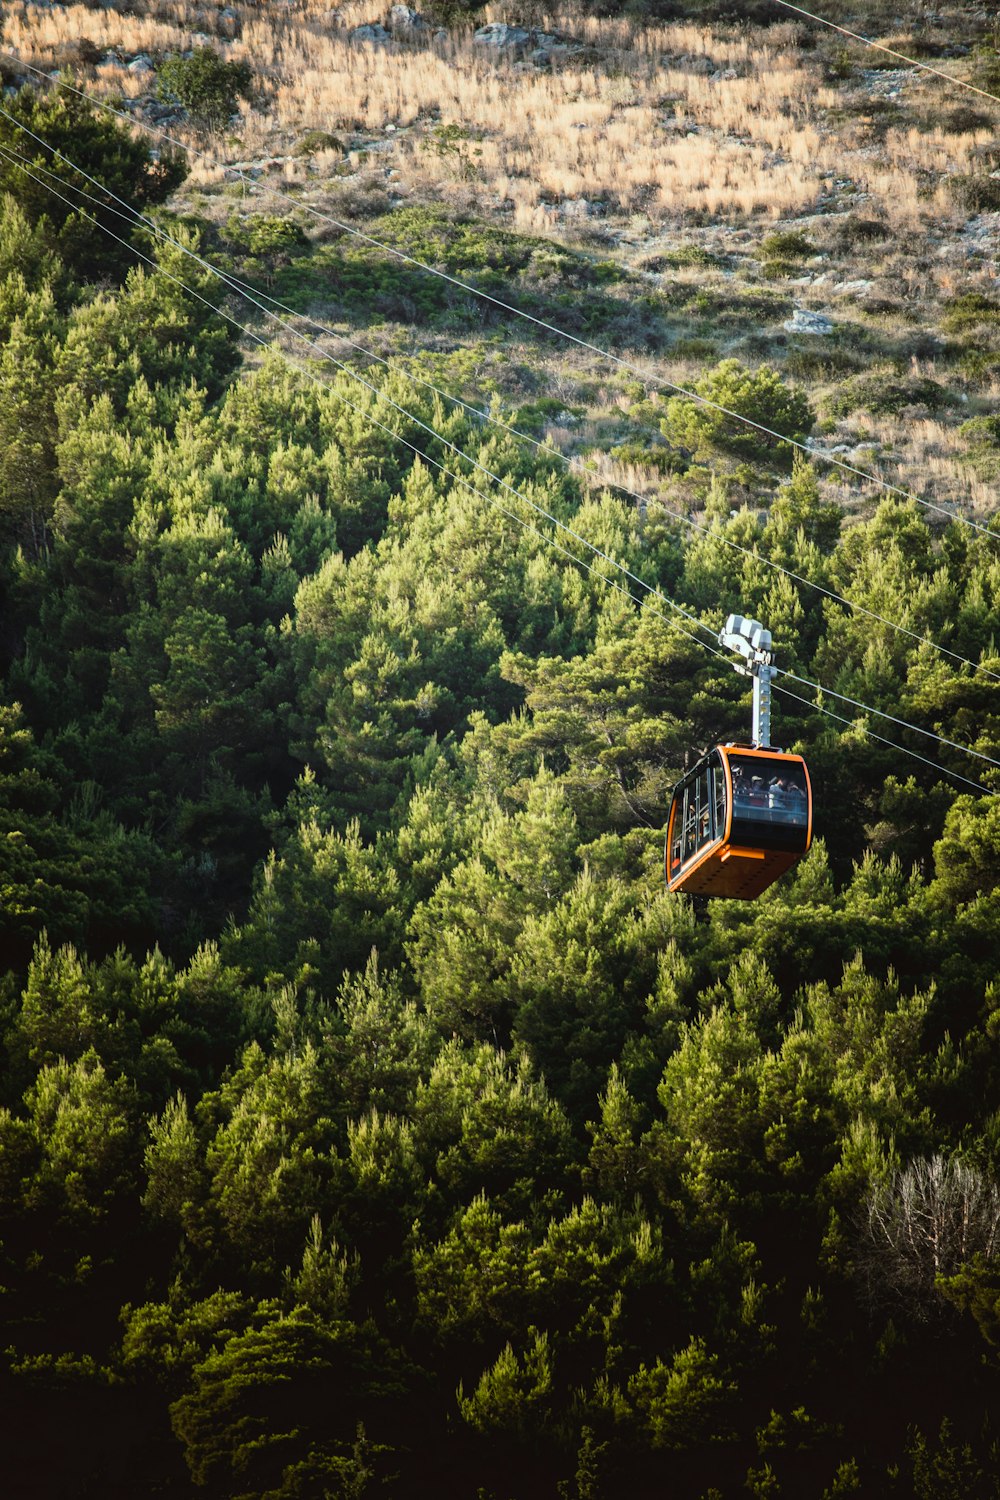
x=672, y=123
x=927, y=459
x=649, y=130
x=601, y=471
x=34, y=32
x=576, y=132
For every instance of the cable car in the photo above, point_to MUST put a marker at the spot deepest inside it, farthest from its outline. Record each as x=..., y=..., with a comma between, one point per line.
x=738, y=820
x=743, y=815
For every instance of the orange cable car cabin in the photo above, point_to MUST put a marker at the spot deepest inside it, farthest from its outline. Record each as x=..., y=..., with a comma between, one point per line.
x=738, y=820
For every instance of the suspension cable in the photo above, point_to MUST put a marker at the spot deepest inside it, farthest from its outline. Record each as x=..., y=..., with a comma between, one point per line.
x=160, y=270
x=398, y=437
x=870, y=733
x=254, y=295
x=659, y=380
x=912, y=62
x=930, y=733
x=432, y=432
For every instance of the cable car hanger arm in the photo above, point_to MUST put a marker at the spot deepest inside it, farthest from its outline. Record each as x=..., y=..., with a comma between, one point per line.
x=749, y=639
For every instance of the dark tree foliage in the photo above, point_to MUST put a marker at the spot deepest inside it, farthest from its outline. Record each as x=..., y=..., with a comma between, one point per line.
x=205, y=85
x=48, y=131
x=371, y=1119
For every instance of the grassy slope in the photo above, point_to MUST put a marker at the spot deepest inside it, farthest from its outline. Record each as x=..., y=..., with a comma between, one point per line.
x=671, y=193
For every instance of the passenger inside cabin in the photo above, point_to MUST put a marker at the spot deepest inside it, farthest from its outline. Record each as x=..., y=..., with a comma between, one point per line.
x=787, y=799
x=769, y=792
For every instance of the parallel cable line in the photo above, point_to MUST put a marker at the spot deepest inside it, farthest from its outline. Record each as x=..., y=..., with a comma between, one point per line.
x=879, y=713
x=913, y=62
x=380, y=395
x=254, y=295
x=658, y=380
x=870, y=733
x=419, y=452
x=16, y=161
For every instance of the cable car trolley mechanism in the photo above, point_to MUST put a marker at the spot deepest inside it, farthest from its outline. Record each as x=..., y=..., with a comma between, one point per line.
x=742, y=816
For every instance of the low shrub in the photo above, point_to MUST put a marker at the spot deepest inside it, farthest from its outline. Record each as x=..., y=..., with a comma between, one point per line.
x=969, y=311
x=963, y=119
x=205, y=85
x=787, y=245
x=82, y=53
x=821, y=363
x=647, y=455
x=983, y=437
x=782, y=254
x=840, y=66
x=360, y=198
x=757, y=396
x=461, y=244
x=694, y=348
x=982, y=432
x=265, y=234
x=857, y=230
x=689, y=255
x=975, y=193
x=986, y=69
x=535, y=416
x=980, y=365
x=887, y=394
x=317, y=140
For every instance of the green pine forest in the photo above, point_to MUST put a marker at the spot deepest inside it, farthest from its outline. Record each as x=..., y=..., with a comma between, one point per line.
x=373, y=1121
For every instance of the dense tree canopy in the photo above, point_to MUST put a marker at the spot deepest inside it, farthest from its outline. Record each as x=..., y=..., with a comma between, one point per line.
x=371, y=1119
x=70, y=167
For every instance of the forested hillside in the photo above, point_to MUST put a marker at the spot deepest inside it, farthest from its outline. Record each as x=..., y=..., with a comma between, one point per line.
x=372, y=1121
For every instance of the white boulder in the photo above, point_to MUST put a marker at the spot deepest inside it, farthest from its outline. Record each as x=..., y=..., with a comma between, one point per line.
x=802, y=321
x=373, y=32
x=501, y=37
x=403, y=18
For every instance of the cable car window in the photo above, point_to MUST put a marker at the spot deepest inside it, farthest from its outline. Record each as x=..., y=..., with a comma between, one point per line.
x=690, y=821
x=704, y=788
x=720, y=800
x=769, y=792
